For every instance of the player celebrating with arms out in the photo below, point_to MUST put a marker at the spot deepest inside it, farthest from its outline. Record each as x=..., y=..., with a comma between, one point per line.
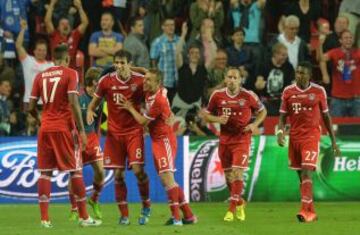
x=58, y=140
x=303, y=102
x=124, y=140
x=164, y=144
x=233, y=107
x=92, y=154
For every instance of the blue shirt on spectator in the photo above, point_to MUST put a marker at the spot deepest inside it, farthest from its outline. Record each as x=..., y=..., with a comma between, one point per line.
x=164, y=51
x=11, y=12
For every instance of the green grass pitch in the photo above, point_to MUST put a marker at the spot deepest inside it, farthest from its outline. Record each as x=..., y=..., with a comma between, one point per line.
x=262, y=219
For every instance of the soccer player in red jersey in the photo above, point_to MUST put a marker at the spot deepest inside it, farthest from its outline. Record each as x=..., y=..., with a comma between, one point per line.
x=124, y=145
x=304, y=102
x=233, y=107
x=58, y=140
x=164, y=143
x=92, y=154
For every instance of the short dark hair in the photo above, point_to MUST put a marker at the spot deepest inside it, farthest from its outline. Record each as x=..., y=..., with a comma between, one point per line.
x=238, y=29
x=232, y=68
x=345, y=31
x=40, y=41
x=5, y=80
x=158, y=73
x=123, y=54
x=135, y=19
x=91, y=75
x=61, y=52
x=167, y=18
x=193, y=45
x=307, y=65
x=108, y=13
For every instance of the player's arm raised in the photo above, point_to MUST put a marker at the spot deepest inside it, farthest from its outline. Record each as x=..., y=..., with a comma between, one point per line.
x=328, y=124
x=91, y=114
x=75, y=109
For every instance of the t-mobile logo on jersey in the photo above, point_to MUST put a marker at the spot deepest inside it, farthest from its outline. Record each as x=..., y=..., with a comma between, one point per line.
x=118, y=98
x=296, y=107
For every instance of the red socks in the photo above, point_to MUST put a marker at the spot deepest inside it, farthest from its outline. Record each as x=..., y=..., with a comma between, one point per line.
x=184, y=206
x=173, y=196
x=235, y=196
x=306, y=194
x=44, y=188
x=120, y=197
x=144, y=193
x=78, y=188
x=96, y=191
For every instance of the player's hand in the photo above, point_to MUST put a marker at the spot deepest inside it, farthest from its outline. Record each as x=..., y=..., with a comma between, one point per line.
x=336, y=150
x=126, y=104
x=281, y=139
x=184, y=29
x=90, y=116
x=223, y=119
x=250, y=128
x=170, y=120
x=83, y=140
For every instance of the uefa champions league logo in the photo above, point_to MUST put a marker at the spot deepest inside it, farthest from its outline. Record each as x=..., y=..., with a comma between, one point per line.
x=19, y=175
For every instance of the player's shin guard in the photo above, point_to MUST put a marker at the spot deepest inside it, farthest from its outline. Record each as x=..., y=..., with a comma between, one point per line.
x=72, y=201
x=144, y=193
x=184, y=206
x=96, y=191
x=78, y=188
x=44, y=188
x=236, y=189
x=307, y=203
x=120, y=198
x=173, y=197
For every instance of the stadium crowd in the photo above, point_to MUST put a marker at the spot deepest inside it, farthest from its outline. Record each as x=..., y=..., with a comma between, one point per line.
x=191, y=42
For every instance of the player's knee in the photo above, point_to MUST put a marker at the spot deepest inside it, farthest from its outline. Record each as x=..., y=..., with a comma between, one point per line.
x=237, y=174
x=139, y=172
x=119, y=177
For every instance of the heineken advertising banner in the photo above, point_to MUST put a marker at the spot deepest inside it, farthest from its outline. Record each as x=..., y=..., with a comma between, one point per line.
x=268, y=177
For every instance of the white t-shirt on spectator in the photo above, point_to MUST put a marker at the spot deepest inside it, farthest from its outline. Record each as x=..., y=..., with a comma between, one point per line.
x=293, y=49
x=31, y=67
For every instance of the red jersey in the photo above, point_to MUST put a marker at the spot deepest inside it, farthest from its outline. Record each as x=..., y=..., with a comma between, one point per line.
x=239, y=108
x=53, y=86
x=113, y=89
x=158, y=110
x=303, y=108
x=72, y=41
x=345, y=73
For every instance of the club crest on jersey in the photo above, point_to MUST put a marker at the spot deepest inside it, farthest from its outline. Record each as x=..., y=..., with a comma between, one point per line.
x=133, y=87
x=242, y=102
x=311, y=96
x=223, y=102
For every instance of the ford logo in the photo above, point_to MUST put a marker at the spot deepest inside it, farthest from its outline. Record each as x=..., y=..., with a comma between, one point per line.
x=19, y=175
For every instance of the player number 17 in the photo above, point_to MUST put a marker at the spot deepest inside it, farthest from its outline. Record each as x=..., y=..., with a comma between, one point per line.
x=54, y=80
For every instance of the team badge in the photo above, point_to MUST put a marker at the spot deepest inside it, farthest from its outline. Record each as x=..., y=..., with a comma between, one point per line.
x=133, y=87
x=311, y=96
x=242, y=102
x=223, y=102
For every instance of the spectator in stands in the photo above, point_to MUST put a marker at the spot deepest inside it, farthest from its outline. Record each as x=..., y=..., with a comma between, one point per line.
x=247, y=14
x=31, y=65
x=136, y=45
x=6, y=72
x=345, y=77
x=238, y=56
x=191, y=84
x=163, y=53
x=5, y=91
x=217, y=73
x=351, y=10
x=64, y=32
x=207, y=42
x=275, y=75
x=308, y=12
x=332, y=40
x=158, y=11
x=203, y=9
x=11, y=12
x=105, y=43
x=297, y=47
x=17, y=123
x=31, y=126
